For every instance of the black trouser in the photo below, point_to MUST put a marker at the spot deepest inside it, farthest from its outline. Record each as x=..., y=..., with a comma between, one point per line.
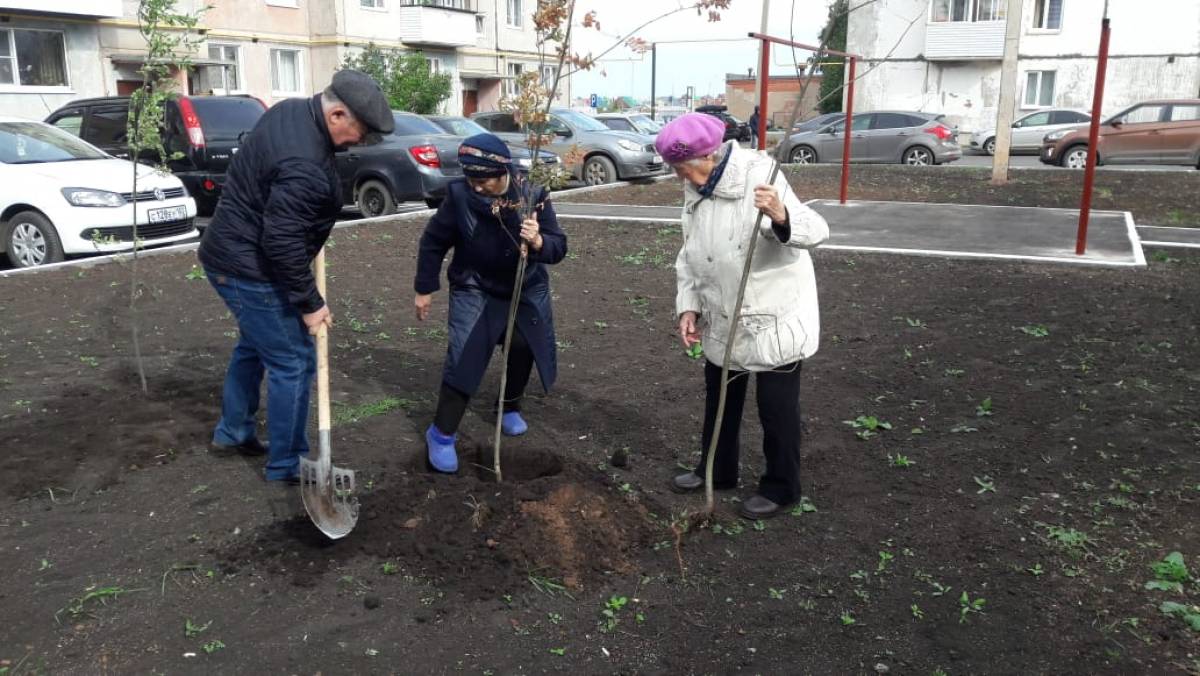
x=778, y=395
x=452, y=404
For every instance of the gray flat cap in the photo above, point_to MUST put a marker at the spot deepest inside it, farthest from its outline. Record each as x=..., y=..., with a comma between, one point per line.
x=362, y=96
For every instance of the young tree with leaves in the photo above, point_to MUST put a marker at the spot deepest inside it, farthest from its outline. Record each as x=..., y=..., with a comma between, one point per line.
x=833, y=36
x=405, y=78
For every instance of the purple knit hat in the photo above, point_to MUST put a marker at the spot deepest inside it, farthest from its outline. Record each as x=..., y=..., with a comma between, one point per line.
x=689, y=136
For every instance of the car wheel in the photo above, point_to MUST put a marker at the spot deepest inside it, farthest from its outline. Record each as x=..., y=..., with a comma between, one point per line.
x=989, y=146
x=1075, y=157
x=599, y=170
x=917, y=156
x=32, y=240
x=374, y=199
x=803, y=155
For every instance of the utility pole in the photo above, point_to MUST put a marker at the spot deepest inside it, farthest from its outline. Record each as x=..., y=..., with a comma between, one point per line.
x=1007, y=107
x=764, y=53
x=653, y=77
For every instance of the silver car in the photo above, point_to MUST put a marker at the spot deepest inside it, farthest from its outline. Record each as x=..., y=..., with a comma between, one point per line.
x=608, y=155
x=911, y=138
x=1028, y=131
x=636, y=122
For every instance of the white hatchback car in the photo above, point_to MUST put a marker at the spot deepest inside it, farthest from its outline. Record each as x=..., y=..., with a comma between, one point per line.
x=61, y=196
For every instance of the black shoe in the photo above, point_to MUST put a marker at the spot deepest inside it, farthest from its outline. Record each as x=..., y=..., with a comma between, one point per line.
x=690, y=482
x=251, y=448
x=290, y=480
x=757, y=507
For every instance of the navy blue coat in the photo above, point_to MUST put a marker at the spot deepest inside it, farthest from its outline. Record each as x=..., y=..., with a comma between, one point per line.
x=481, y=276
x=279, y=202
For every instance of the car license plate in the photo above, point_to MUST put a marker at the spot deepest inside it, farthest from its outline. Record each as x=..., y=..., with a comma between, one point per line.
x=167, y=214
x=657, y=159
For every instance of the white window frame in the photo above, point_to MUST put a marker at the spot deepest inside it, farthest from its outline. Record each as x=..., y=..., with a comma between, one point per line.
x=241, y=89
x=972, y=10
x=373, y=5
x=480, y=24
x=1041, y=74
x=435, y=64
x=1039, y=22
x=16, y=87
x=510, y=84
x=509, y=7
x=282, y=93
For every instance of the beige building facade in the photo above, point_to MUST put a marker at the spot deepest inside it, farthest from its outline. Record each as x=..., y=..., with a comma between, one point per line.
x=270, y=49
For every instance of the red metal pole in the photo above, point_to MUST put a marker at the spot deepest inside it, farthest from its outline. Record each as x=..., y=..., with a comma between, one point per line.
x=849, y=126
x=763, y=68
x=1089, y=174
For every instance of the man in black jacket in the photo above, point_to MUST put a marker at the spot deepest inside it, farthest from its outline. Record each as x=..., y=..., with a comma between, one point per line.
x=280, y=200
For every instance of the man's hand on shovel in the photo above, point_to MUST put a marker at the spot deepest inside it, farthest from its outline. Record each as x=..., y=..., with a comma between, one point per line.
x=313, y=320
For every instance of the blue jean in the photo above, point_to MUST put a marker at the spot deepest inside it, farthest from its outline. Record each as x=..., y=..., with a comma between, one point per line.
x=273, y=339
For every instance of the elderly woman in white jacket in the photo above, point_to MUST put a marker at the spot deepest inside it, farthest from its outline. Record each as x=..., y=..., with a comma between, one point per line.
x=725, y=187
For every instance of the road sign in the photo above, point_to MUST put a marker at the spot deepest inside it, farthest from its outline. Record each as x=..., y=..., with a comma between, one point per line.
x=593, y=100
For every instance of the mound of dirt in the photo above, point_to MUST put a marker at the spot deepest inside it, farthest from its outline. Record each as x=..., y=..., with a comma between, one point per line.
x=550, y=517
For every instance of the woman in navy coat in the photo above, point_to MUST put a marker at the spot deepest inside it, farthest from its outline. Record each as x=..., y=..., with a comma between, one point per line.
x=480, y=219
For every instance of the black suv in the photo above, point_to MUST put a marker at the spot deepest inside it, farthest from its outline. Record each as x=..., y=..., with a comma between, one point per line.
x=735, y=129
x=206, y=130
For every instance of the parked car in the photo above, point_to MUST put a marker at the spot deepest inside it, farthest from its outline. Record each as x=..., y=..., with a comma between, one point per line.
x=735, y=129
x=911, y=138
x=463, y=127
x=608, y=155
x=1029, y=130
x=822, y=120
x=205, y=130
x=413, y=163
x=636, y=122
x=1153, y=132
x=60, y=196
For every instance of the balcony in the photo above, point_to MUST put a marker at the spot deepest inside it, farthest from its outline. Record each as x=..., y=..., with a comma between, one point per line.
x=88, y=8
x=439, y=23
x=964, y=40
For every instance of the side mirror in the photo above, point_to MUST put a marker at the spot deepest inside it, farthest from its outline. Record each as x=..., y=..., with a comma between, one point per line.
x=564, y=133
x=1116, y=124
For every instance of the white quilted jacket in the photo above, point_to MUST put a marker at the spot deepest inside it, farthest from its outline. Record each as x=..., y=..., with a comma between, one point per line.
x=780, y=319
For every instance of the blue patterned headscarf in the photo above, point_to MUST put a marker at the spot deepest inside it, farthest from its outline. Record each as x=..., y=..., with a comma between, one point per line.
x=484, y=156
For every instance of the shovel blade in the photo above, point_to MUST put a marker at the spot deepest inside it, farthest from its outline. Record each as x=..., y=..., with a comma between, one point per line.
x=328, y=494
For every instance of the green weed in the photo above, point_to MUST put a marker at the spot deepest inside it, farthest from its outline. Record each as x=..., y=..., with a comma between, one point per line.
x=1169, y=574
x=1035, y=330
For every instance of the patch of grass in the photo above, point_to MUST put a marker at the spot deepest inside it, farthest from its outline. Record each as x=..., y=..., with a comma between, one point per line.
x=212, y=646
x=867, y=426
x=900, y=460
x=1188, y=613
x=389, y=568
x=1073, y=542
x=79, y=606
x=195, y=273
x=1169, y=574
x=344, y=413
x=1035, y=330
x=805, y=506
x=192, y=630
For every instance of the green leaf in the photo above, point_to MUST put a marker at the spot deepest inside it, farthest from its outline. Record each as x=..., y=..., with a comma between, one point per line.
x=1163, y=585
x=1171, y=568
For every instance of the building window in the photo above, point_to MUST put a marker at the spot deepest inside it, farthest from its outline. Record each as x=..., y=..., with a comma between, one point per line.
x=227, y=78
x=512, y=86
x=1047, y=14
x=32, y=58
x=514, y=13
x=435, y=64
x=285, y=71
x=479, y=24
x=1039, y=89
x=941, y=11
x=548, y=73
x=371, y=4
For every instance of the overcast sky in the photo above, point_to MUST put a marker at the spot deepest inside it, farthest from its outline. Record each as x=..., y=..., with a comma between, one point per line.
x=700, y=64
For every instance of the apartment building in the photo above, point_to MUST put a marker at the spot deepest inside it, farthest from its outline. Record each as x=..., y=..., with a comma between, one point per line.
x=55, y=52
x=944, y=55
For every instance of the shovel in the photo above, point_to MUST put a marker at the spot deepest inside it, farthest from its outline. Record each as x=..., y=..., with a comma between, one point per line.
x=328, y=491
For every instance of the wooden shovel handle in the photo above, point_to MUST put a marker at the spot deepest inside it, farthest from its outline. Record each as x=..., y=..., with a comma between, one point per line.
x=323, y=417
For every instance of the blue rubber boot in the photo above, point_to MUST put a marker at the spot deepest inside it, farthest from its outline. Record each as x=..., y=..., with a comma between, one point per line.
x=443, y=457
x=513, y=425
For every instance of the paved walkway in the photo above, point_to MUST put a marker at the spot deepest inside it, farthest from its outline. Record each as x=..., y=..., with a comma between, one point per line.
x=946, y=230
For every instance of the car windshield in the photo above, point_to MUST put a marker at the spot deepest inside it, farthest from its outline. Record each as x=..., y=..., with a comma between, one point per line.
x=461, y=126
x=412, y=125
x=34, y=142
x=582, y=121
x=224, y=118
x=645, y=124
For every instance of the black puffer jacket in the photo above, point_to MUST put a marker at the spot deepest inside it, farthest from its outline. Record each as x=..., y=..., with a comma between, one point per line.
x=280, y=200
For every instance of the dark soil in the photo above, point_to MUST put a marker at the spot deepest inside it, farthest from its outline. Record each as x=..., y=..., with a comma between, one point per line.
x=1089, y=447
x=1155, y=197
